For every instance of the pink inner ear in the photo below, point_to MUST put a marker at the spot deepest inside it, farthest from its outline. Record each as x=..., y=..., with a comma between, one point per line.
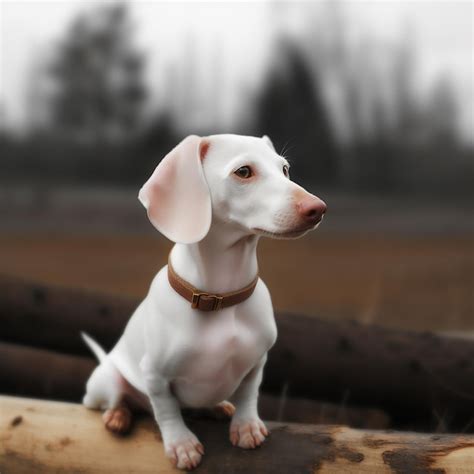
x=177, y=196
x=203, y=149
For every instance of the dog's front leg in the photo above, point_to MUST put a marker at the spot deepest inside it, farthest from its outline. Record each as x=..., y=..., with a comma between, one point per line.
x=247, y=430
x=181, y=445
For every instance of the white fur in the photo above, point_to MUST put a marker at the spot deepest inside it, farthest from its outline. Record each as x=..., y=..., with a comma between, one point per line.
x=178, y=356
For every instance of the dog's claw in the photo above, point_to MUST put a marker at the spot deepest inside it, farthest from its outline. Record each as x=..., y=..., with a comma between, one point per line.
x=200, y=448
x=248, y=434
x=185, y=454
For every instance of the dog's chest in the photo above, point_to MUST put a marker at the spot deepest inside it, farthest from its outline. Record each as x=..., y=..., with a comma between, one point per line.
x=227, y=345
x=216, y=358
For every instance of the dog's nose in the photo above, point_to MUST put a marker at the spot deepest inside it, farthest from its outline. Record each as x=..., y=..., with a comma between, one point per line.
x=311, y=208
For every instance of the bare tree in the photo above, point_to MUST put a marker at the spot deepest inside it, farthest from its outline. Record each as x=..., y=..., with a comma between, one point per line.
x=291, y=110
x=98, y=76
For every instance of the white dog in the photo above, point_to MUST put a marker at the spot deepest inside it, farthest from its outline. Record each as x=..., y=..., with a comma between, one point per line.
x=184, y=347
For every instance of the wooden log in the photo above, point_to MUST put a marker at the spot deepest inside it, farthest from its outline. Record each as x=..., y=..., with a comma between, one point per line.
x=415, y=377
x=38, y=373
x=44, y=437
x=52, y=317
x=300, y=410
x=419, y=379
x=32, y=372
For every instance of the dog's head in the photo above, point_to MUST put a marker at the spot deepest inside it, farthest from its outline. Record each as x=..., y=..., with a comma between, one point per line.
x=234, y=179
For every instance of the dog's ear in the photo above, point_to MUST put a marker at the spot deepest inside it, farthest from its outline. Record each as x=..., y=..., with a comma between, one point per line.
x=176, y=196
x=267, y=140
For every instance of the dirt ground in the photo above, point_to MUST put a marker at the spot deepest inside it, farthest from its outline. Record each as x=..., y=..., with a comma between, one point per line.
x=420, y=283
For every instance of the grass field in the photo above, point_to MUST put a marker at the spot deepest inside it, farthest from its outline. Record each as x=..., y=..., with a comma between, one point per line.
x=421, y=283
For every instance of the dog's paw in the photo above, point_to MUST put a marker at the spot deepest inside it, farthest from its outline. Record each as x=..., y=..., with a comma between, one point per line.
x=185, y=453
x=248, y=434
x=224, y=410
x=118, y=420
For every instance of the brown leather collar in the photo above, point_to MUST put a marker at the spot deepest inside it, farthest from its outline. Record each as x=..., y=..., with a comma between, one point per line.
x=207, y=301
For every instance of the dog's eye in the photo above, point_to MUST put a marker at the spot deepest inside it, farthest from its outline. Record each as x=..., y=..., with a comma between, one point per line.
x=286, y=170
x=244, y=172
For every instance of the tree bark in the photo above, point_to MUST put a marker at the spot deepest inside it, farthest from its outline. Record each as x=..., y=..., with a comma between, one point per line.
x=415, y=377
x=43, y=437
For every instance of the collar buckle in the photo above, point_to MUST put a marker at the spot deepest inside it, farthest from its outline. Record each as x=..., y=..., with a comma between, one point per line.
x=216, y=300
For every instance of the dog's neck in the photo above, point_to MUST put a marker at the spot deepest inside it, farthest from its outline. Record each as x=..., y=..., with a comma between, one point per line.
x=225, y=260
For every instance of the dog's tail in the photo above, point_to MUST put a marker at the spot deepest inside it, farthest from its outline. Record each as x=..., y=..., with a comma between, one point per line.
x=94, y=347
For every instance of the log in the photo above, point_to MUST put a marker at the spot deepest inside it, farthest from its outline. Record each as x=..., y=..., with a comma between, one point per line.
x=52, y=317
x=38, y=373
x=416, y=377
x=421, y=380
x=76, y=441
x=32, y=372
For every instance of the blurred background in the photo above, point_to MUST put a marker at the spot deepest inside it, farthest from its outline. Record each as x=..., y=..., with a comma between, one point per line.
x=371, y=102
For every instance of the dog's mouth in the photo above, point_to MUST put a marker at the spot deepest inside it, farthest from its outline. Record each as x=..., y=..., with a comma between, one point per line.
x=291, y=234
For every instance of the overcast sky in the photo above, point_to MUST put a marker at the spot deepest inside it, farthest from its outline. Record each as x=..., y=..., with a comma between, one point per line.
x=243, y=32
